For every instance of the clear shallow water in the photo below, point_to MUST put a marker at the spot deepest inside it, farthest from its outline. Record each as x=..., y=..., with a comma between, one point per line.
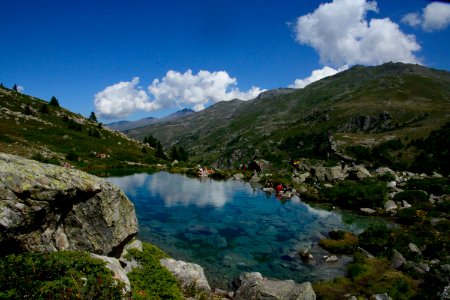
x=230, y=227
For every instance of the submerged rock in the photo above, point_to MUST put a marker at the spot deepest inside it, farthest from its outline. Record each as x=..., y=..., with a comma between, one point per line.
x=330, y=258
x=254, y=286
x=49, y=208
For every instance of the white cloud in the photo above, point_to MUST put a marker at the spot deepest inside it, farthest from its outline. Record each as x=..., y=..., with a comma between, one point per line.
x=412, y=19
x=435, y=16
x=197, y=90
x=122, y=99
x=20, y=89
x=175, y=90
x=316, y=75
x=342, y=35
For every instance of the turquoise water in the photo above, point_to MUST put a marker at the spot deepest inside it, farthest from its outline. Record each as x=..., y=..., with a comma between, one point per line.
x=230, y=227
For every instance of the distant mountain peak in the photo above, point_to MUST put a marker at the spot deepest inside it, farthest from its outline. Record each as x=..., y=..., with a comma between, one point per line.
x=130, y=125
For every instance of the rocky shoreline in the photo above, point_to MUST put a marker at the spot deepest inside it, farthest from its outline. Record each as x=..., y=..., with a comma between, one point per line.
x=50, y=208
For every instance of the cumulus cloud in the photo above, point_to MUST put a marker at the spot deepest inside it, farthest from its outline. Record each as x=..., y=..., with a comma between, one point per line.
x=196, y=90
x=175, y=90
x=435, y=16
x=342, y=35
x=316, y=75
x=121, y=99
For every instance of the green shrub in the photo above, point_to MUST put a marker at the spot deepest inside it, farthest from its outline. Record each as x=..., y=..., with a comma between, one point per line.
x=366, y=193
x=443, y=205
x=72, y=156
x=57, y=275
x=375, y=239
x=74, y=125
x=43, y=109
x=407, y=216
x=387, y=177
x=435, y=186
x=48, y=160
x=152, y=281
x=411, y=196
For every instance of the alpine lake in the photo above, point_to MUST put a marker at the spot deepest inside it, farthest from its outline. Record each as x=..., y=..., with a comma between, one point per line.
x=229, y=227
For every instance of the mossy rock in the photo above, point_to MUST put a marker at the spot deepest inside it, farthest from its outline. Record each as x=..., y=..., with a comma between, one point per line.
x=151, y=280
x=340, y=242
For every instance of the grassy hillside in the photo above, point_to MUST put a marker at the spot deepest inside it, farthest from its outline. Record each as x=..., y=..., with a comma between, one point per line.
x=362, y=107
x=33, y=128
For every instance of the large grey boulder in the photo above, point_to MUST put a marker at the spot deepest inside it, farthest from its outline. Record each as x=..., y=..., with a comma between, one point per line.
x=254, y=286
x=329, y=173
x=49, y=208
x=384, y=170
x=359, y=172
x=190, y=275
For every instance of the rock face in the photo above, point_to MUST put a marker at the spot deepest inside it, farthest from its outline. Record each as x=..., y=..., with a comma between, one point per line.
x=254, y=286
x=50, y=208
x=189, y=275
x=368, y=123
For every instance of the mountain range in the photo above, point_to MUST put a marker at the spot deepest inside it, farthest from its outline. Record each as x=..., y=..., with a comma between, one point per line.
x=128, y=125
x=350, y=114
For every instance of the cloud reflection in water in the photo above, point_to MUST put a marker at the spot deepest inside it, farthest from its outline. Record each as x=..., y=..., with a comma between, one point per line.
x=184, y=191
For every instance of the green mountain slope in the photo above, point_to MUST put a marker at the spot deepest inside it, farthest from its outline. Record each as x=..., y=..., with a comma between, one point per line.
x=356, y=110
x=33, y=128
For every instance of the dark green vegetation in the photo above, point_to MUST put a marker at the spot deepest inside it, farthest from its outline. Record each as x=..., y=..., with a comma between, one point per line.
x=353, y=194
x=394, y=114
x=44, y=131
x=76, y=275
x=366, y=277
x=152, y=281
x=426, y=224
x=58, y=275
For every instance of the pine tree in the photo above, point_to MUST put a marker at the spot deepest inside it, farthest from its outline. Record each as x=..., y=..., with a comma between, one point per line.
x=93, y=117
x=54, y=101
x=174, y=153
x=15, y=87
x=182, y=154
x=159, y=151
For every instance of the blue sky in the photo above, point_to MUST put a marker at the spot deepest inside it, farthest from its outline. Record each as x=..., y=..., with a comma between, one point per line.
x=130, y=59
